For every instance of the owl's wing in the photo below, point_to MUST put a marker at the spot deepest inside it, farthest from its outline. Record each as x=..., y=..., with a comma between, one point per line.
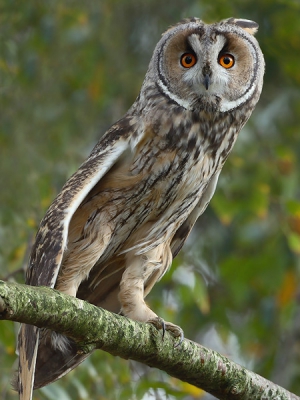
x=51, y=240
x=185, y=229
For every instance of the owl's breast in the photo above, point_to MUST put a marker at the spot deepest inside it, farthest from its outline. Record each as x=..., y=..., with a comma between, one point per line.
x=145, y=198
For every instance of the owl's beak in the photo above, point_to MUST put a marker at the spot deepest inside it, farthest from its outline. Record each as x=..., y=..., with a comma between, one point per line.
x=206, y=73
x=206, y=81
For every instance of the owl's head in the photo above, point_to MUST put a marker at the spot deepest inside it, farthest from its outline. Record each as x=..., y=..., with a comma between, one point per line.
x=216, y=67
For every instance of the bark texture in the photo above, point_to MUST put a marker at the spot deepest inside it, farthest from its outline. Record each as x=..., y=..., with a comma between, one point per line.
x=95, y=328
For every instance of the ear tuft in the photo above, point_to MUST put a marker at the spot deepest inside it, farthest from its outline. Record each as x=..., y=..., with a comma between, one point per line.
x=246, y=24
x=182, y=22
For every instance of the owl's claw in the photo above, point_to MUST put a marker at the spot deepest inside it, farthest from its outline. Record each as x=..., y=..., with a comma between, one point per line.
x=174, y=330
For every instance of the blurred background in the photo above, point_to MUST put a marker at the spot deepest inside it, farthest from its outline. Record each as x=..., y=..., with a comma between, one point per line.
x=68, y=70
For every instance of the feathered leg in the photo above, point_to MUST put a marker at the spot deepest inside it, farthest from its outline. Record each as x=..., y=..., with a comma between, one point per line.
x=141, y=273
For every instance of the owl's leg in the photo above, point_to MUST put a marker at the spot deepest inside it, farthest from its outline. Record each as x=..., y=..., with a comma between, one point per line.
x=141, y=273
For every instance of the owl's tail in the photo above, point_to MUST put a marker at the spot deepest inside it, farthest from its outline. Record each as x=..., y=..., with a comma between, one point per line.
x=40, y=361
x=53, y=362
x=27, y=346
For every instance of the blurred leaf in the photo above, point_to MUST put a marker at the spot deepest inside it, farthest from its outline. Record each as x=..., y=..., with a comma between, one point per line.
x=200, y=295
x=294, y=242
x=288, y=289
x=191, y=390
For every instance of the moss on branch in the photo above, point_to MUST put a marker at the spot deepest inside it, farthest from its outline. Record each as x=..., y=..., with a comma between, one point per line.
x=95, y=328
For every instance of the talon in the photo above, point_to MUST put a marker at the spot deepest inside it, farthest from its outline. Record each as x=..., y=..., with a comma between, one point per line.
x=163, y=327
x=174, y=330
x=159, y=323
x=181, y=338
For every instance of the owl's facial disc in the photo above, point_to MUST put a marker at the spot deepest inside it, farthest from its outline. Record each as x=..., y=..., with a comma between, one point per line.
x=209, y=66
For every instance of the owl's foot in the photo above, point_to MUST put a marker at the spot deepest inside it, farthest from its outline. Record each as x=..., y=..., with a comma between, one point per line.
x=174, y=330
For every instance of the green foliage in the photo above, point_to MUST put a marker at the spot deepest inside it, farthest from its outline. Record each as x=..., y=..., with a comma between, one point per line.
x=70, y=69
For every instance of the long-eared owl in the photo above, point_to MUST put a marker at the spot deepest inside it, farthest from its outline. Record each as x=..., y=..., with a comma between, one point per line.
x=114, y=229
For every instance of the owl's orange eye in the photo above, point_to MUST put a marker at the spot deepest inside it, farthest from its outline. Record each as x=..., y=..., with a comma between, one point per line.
x=188, y=60
x=226, y=61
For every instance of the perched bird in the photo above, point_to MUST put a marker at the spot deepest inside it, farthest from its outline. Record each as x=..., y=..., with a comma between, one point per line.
x=114, y=229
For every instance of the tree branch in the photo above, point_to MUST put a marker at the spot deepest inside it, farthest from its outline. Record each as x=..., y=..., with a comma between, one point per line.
x=95, y=328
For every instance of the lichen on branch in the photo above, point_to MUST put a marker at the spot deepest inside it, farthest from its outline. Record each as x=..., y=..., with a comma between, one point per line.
x=95, y=328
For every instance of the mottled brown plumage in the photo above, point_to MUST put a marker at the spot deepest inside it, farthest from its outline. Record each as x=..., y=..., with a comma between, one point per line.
x=118, y=222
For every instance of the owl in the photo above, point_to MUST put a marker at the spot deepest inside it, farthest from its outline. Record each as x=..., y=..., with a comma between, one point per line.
x=114, y=229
